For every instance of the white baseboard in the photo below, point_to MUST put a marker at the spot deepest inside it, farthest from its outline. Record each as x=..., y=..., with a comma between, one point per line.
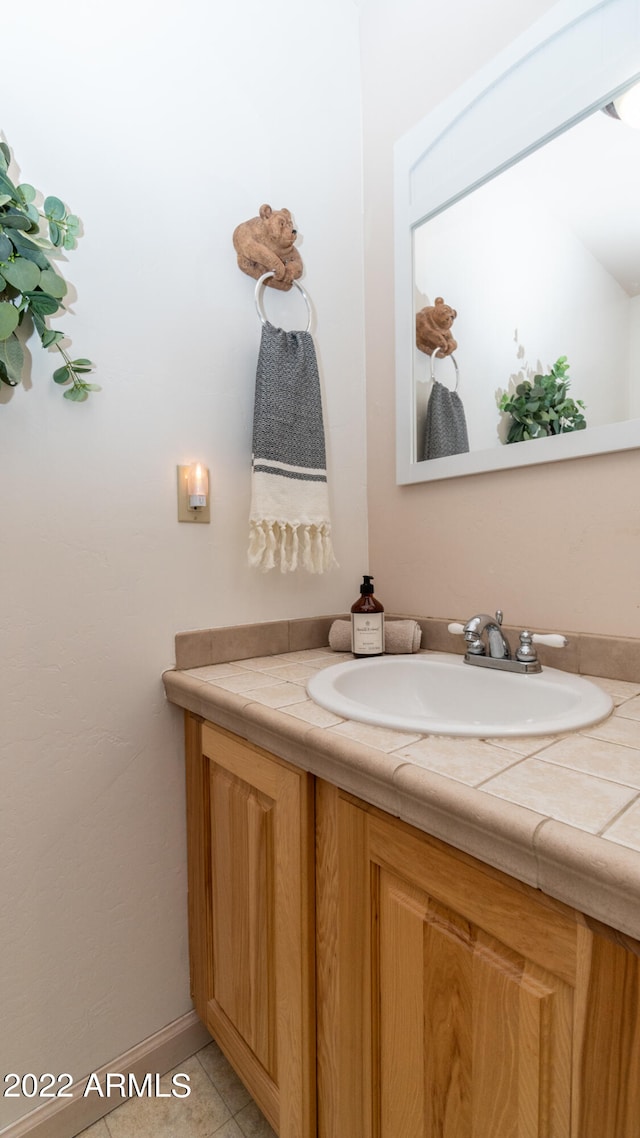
x=64, y=1118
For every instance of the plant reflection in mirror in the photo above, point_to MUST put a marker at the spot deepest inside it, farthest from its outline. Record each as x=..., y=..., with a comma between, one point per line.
x=28, y=281
x=540, y=407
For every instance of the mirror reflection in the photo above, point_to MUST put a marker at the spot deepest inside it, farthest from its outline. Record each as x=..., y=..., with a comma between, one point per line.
x=541, y=267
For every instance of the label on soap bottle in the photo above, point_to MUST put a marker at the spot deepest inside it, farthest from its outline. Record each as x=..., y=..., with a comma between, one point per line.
x=367, y=633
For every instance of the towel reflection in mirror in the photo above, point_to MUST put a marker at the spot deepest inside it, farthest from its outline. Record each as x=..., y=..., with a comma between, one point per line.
x=445, y=431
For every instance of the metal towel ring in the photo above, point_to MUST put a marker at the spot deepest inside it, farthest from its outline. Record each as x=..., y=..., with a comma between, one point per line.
x=261, y=281
x=452, y=358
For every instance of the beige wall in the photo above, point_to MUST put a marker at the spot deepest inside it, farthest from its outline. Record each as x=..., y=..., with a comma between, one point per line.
x=554, y=546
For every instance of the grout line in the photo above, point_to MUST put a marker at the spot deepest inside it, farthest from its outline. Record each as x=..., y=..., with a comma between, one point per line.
x=612, y=742
x=615, y=818
x=591, y=774
x=498, y=774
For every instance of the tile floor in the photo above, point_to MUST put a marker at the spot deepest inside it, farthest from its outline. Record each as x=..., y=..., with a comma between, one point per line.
x=218, y=1107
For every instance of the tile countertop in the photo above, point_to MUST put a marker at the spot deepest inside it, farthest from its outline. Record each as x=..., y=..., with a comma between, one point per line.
x=561, y=813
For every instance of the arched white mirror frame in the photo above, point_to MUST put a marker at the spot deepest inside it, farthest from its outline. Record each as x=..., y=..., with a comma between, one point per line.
x=578, y=56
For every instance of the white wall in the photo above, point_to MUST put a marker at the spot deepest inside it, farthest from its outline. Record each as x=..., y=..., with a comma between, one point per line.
x=163, y=126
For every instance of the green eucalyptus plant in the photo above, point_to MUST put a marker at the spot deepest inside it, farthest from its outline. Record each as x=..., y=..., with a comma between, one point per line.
x=541, y=407
x=29, y=284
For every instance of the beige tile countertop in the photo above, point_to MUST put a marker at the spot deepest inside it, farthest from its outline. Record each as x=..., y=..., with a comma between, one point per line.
x=561, y=813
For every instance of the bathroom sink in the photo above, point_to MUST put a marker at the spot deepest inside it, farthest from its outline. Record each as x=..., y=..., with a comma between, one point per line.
x=438, y=694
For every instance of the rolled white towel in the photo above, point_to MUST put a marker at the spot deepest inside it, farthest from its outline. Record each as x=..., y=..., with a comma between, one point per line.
x=399, y=636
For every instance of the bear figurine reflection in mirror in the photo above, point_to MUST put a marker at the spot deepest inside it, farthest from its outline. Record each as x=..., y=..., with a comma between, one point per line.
x=433, y=328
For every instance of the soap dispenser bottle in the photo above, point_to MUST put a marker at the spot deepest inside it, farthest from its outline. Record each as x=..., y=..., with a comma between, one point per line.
x=367, y=623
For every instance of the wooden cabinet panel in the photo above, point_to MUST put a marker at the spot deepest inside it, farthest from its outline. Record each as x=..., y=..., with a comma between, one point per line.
x=443, y=1024
x=243, y=865
x=251, y=905
x=607, y=1096
x=474, y=1040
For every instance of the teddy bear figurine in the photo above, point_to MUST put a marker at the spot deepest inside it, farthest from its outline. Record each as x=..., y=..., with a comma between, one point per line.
x=433, y=328
x=266, y=244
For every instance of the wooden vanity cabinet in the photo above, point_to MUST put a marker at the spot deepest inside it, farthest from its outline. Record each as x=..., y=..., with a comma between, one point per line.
x=456, y=1002
x=251, y=906
x=444, y=999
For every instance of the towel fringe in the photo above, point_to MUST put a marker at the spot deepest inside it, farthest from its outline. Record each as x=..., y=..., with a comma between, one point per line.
x=309, y=546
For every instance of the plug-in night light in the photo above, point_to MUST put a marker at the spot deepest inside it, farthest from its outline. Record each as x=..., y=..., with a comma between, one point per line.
x=197, y=486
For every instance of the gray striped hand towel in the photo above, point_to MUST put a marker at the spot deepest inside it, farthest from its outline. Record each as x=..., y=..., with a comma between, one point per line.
x=446, y=426
x=289, y=523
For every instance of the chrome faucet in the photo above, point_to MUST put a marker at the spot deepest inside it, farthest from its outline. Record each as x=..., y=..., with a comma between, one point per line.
x=488, y=647
x=497, y=647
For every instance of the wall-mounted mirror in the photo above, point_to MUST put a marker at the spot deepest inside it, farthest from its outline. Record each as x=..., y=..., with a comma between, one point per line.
x=517, y=202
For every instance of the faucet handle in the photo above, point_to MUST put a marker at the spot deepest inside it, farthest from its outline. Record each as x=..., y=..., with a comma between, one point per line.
x=526, y=652
x=551, y=639
x=456, y=629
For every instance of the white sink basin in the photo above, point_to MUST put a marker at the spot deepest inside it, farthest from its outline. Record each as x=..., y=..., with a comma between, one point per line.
x=438, y=694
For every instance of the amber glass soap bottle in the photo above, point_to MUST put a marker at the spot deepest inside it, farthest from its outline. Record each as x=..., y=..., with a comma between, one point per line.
x=367, y=623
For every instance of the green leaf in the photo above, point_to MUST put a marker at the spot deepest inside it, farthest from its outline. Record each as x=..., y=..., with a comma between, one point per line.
x=73, y=223
x=52, y=283
x=49, y=337
x=42, y=303
x=40, y=325
x=62, y=374
x=40, y=242
x=86, y=364
x=22, y=274
x=4, y=378
x=28, y=192
x=69, y=241
x=9, y=317
x=15, y=220
x=6, y=248
x=4, y=198
x=92, y=387
x=12, y=357
x=5, y=159
x=26, y=248
x=55, y=233
x=54, y=209
x=77, y=394
x=33, y=214
x=7, y=186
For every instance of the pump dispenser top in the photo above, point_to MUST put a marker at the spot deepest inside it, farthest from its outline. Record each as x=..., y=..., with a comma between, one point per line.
x=367, y=622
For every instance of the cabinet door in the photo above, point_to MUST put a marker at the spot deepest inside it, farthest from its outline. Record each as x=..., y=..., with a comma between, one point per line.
x=251, y=918
x=445, y=992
